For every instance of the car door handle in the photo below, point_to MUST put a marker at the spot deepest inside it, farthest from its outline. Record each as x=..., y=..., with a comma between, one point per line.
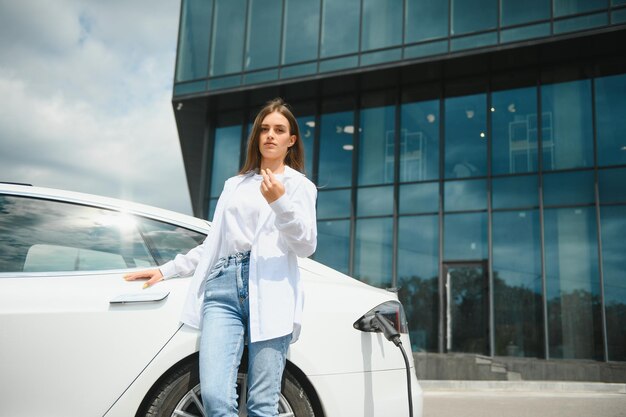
x=140, y=297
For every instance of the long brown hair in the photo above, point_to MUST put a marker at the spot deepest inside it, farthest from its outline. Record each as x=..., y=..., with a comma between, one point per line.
x=295, y=153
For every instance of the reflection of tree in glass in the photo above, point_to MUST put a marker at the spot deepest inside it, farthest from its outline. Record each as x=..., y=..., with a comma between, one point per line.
x=518, y=318
x=469, y=310
x=616, y=330
x=575, y=325
x=420, y=298
x=518, y=313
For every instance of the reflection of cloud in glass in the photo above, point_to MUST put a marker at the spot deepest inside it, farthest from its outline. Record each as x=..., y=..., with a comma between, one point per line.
x=373, y=248
x=121, y=221
x=465, y=195
x=571, y=250
x=517, y=261
x=29, y=222
x=460, y=231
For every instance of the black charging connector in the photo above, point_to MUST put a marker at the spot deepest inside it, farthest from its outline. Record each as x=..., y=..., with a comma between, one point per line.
x=384, y=325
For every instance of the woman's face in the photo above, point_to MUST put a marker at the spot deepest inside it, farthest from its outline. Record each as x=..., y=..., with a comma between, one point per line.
x=275, y=139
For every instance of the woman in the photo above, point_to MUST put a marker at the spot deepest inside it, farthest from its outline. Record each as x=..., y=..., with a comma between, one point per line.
x=246, y=285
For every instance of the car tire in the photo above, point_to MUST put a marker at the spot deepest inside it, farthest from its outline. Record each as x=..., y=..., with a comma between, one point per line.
x=180, y=392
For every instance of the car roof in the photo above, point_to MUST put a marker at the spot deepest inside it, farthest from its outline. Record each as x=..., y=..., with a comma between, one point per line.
x=107, y=203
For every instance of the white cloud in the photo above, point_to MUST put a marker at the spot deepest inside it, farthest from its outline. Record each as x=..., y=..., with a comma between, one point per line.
x=86, y=90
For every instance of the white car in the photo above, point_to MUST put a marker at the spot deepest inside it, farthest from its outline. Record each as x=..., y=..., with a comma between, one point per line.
x=76, y=339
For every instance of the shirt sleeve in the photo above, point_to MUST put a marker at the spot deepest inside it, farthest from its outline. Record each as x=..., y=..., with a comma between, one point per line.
x=184, y=265
x=296, y=219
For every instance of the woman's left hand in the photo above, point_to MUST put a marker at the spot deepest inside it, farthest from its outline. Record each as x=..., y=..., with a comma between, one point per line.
x=271, y=188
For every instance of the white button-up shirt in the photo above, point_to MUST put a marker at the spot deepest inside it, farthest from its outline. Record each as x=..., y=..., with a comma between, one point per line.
x=287, y=229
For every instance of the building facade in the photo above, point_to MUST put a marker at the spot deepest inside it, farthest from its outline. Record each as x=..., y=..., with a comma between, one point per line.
x=469, y=153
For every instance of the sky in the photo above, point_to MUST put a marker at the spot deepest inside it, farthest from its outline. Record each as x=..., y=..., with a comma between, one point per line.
x=85, y=98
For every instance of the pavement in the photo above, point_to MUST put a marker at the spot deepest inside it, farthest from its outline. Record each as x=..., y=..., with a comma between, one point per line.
x=523, y=399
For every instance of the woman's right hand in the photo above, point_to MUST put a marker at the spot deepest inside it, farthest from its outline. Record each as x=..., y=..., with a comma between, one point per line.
x=152, y=275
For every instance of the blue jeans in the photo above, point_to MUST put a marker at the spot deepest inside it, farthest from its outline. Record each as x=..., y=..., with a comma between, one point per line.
x=225, y=329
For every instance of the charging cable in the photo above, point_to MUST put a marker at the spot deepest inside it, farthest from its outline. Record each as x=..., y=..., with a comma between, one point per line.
x=383, y=324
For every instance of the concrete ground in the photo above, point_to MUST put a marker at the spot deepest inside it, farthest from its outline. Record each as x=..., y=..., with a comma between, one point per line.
x=523, y=399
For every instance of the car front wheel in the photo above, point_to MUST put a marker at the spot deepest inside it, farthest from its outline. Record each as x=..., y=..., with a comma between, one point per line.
x=179, y=395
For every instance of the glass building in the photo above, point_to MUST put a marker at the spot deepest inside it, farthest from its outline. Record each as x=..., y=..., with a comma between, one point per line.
x=469, y=153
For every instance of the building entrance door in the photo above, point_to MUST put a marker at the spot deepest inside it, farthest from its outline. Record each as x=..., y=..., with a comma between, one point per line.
x=466, y=307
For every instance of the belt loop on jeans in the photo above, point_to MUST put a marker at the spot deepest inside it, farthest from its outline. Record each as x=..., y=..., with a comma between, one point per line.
x=239, y=256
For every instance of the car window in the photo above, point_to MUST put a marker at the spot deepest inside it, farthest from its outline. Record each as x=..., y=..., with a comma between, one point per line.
x=39, y=235
x=167, y=240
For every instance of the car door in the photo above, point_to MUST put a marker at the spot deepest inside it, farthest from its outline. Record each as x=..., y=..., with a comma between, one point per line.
x=66, y=349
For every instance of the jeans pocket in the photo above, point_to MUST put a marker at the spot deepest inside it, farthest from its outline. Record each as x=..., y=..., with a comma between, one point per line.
x=215, y=271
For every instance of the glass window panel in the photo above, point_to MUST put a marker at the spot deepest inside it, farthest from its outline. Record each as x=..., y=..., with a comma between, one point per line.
x=573, y=291
x=581, y=22
x=475, y=41
x=306, y=124
x=568, y=188
x=336, y=145
x=168, y=240
x=613, y=224
x=374, y=201
x=226, y=150
x=187, y=88
x=427, y=49
x=466, y=132
x=378, y=57
x=525, y=32
x=611, y=119
x=418, y=278
x=263, y=35
x=302, y=24
x=465, y=195
x=373, y=251
x=512, y=192
x=193, y=41
x=224, y=82
x=376, y=147
x=46, y=236
x=567, y=7
x=425, y=20
x=260, y=76
x=419, y=141
x=227, y=41
x=333, y=244
x=465, y=236
x=515, y=12
x=419, y=198
x=298, y=70
x=333, y=204
x=618, y=16
x=517, y=286
x=212, y=206
x=473, y=15
x=514, y=131
x=467, y=307
x=382, y=24
x=612, y=185
x=339, y=63
x=567, y=137
x=340, y=27
x=617, y=2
